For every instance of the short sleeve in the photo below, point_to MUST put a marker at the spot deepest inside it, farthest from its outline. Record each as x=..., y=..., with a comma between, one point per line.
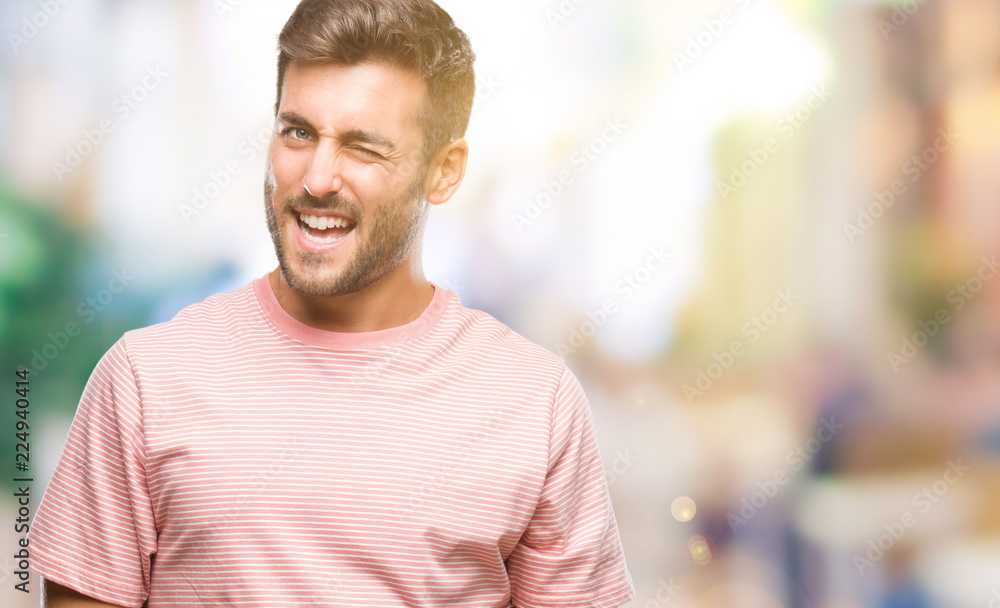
x=94, y=530
x=570, y=555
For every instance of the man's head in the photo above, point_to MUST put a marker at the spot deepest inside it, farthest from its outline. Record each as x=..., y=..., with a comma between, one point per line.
x=374, y=98
x=416, y=35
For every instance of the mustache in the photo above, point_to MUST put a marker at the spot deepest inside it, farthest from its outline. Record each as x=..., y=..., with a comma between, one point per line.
x=332, y=202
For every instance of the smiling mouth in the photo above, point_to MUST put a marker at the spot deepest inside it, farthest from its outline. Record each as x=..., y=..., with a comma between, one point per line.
x=324, y=230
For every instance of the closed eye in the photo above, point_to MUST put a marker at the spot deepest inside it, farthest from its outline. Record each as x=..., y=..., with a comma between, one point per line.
x=368, y=152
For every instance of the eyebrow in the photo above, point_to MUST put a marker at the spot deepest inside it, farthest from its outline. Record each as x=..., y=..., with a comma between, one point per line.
x=295, y=119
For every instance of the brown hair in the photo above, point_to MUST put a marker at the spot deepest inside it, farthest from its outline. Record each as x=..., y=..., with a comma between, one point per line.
x=417, y=35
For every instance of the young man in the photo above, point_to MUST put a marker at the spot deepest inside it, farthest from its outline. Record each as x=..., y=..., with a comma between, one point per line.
x=340, y=431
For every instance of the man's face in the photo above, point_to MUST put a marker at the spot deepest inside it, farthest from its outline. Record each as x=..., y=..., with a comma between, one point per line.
x=344, y=191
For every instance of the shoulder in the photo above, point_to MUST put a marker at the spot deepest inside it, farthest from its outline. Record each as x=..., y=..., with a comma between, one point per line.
x=497, y=347
x=196, y=326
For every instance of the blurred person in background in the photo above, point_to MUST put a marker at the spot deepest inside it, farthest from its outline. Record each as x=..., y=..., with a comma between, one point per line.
x=339, y=430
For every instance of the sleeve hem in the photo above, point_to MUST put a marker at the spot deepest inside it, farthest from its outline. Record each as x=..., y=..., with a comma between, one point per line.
x=615, y=597
x=90, y=584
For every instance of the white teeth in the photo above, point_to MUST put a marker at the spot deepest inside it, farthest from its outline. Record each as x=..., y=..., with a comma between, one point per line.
x=316, y=239
x=327, y=241
x=323, y=222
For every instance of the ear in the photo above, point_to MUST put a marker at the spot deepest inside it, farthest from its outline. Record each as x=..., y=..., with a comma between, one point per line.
x=447, y=171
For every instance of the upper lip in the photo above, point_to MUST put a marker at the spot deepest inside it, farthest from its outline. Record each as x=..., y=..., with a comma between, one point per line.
x=324, y=213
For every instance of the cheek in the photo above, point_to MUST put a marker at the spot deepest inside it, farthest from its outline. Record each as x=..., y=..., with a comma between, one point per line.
x=287, y=167
x=372, y=183
x=365, y=185
x=271, y=183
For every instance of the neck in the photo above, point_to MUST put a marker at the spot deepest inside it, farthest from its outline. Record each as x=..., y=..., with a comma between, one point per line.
x=396, y=299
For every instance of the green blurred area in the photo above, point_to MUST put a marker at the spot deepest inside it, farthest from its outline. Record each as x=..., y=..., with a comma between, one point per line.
x=48, y=269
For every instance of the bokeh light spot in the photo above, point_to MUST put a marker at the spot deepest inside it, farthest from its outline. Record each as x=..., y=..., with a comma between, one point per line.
x=683, y=509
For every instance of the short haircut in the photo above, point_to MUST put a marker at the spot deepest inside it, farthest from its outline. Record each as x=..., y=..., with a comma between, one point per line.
x=416, y=35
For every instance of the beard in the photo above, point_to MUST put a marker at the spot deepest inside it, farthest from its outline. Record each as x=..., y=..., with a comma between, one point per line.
x=382, y=241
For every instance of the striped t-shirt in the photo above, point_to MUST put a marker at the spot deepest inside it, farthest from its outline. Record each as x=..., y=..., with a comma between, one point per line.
x=234, y=456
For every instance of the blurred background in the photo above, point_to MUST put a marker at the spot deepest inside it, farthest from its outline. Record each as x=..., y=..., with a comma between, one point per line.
x=763, y=234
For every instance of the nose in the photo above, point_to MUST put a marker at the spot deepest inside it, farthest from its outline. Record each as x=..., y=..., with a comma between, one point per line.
x=323, y=173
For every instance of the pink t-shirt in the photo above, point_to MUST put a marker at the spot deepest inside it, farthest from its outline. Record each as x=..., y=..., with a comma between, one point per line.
x=234, y=456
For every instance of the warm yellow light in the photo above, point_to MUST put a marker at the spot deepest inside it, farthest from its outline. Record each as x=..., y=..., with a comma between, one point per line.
x=701, y=551
x=683, y=509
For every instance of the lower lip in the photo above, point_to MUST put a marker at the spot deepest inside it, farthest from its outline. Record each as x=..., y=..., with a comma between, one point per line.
x=310, y=245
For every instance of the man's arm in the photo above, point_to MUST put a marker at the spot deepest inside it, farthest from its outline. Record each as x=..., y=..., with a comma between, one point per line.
x=94, y=529
x=55, y=595
x=570, y=554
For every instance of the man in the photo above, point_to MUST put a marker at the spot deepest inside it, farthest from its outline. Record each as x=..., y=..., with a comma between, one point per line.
x=340, y=431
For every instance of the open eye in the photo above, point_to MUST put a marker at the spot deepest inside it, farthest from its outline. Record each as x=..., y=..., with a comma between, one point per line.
x=295, y=133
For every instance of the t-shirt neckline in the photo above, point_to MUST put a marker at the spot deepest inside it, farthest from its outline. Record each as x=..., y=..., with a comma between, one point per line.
x=291, y=326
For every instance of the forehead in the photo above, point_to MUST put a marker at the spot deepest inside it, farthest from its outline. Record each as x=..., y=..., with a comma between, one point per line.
x=368, y=96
